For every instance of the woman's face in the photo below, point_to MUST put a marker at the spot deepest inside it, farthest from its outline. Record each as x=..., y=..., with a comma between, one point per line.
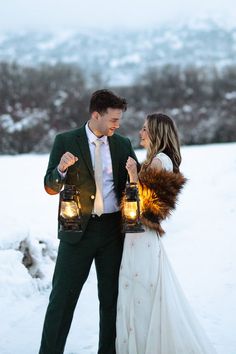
x=144, y=137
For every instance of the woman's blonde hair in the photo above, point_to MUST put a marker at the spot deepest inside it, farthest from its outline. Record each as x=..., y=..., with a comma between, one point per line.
x=163, y=137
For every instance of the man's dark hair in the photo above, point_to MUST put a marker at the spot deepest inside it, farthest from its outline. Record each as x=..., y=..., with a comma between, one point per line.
x=101, y=100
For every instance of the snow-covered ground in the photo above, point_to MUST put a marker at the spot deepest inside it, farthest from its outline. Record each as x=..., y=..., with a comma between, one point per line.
x=200, y=242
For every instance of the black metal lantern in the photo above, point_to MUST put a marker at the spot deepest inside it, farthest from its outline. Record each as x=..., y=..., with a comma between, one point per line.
x=131, y=209
x=69, y=214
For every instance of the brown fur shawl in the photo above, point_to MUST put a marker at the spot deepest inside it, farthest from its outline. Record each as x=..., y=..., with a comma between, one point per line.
x=158, y=191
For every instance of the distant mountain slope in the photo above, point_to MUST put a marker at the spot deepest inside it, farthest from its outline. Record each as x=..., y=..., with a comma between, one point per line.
x=120, y=57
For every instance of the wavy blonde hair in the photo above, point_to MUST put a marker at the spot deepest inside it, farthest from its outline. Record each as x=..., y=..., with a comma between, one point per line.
x=163, y=137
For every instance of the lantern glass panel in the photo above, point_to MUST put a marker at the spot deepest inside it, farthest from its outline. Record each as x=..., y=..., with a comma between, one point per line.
x=69, y=213
x=69, y=209
x=131, y=210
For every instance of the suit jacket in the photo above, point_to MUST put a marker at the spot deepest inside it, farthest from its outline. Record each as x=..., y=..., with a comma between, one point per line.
x=81, y=173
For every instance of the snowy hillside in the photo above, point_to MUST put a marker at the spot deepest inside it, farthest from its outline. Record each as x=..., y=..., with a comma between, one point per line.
x=200, y=242
x=120, y=56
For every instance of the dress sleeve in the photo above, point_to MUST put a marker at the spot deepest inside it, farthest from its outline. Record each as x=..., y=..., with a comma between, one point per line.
x=165, y=161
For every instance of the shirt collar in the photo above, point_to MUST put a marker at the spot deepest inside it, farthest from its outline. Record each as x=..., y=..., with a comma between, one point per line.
x=92, y=137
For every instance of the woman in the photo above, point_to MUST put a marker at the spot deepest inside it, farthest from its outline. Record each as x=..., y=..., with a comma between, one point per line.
x=153, y=316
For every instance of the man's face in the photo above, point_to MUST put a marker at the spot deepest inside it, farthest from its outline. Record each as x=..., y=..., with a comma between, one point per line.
x=109, y=121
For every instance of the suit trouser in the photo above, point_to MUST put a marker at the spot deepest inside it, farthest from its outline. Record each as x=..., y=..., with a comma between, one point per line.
x=103, y=243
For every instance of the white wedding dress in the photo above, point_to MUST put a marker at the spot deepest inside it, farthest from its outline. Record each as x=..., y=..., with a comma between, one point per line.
x=153, y=315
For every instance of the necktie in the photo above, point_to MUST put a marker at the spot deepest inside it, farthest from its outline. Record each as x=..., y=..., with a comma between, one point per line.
x=98, y=203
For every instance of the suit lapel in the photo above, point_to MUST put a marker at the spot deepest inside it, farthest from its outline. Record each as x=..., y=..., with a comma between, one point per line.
x=84, y=149
x=114, y=158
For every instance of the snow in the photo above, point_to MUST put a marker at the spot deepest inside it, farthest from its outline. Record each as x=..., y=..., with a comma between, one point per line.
x=30, y=118
x=230, y=95
x=200, y=243
x=135, y=58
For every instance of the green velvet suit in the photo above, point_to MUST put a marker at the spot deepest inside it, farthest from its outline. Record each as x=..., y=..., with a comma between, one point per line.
x=100, y=240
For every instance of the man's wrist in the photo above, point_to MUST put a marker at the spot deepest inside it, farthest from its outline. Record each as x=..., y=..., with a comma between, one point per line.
x=61, y=173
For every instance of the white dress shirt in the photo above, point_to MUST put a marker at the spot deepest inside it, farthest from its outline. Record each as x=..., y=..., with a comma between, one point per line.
x=109, y=196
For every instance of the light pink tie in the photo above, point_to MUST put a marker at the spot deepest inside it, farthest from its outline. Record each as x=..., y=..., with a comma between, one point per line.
x=98, y=174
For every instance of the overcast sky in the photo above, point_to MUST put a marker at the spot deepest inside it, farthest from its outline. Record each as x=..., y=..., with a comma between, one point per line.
x=44, y=14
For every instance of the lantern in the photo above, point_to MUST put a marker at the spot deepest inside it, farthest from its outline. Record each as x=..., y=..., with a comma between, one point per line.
x=131, y=209
x=69, y=214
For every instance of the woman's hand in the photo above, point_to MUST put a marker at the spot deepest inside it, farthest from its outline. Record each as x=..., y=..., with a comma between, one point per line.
x=131, y=166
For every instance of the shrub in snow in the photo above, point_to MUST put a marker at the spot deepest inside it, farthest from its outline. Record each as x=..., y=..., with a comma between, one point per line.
x=36, y=254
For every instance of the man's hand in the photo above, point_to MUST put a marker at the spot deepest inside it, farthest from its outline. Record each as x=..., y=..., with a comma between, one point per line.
x=66, y=161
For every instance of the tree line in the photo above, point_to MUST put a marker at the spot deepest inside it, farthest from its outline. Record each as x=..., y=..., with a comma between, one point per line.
x=37, y=103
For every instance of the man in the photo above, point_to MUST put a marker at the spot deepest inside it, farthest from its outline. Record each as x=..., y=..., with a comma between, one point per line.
x=76, y=158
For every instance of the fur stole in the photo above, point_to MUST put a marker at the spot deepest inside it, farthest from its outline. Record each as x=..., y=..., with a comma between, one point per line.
x=158, y=192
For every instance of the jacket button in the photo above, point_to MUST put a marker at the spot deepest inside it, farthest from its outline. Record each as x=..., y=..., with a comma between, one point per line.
x=92, y=196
